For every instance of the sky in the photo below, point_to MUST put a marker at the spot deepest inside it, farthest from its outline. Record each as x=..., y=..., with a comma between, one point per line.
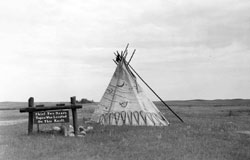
x=185, y=49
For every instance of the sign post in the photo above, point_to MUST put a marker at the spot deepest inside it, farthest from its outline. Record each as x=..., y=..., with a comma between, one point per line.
x=74, y=115
x=30, y=120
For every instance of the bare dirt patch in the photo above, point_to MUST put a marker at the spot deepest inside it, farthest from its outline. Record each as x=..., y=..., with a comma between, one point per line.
x=244, y=132
x=12, y=122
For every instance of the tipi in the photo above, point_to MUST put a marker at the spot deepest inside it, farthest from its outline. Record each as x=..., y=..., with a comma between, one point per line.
x=124, y=101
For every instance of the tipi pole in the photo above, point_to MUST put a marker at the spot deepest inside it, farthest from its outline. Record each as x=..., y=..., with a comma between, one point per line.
x=126, y=51
x=115, y=62
x=131, y=56
x=156, y=94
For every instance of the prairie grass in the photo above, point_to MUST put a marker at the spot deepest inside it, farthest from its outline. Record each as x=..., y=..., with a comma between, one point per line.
x=209, y=133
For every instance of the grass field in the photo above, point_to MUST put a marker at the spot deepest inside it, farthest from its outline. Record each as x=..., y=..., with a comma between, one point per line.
x=213, y=130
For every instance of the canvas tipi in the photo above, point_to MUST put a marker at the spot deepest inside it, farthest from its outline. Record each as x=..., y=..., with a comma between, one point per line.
x=124, y=101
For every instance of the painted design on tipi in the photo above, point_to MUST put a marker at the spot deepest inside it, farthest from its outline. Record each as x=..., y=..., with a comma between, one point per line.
x=125, y=103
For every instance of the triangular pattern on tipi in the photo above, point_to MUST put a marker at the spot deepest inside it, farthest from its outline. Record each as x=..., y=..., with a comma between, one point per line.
x=125, y=103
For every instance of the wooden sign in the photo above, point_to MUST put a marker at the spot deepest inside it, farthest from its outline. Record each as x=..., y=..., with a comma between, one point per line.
x=45, y=117
x=51, y=114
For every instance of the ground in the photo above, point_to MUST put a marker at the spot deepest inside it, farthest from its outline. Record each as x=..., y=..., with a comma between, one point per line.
x=217, y=130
